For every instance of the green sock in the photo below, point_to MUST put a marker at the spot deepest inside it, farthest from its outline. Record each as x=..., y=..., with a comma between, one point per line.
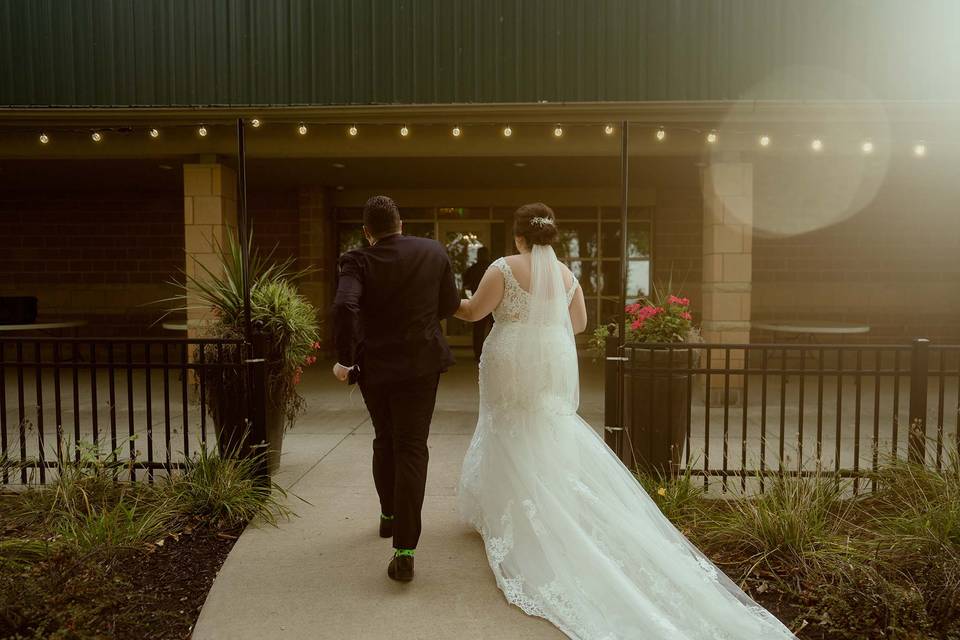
x=403, y=552
x=383, y=517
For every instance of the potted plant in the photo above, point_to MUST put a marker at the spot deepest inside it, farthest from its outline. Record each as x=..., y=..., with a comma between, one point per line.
x=655, y=378
x=286, y=335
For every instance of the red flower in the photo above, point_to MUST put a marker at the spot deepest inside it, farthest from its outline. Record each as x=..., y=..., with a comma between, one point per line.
x=311, y=359
x=316, y=345
x=686, y=315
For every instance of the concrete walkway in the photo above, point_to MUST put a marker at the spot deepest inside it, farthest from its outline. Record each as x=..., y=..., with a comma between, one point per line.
x=323, y=574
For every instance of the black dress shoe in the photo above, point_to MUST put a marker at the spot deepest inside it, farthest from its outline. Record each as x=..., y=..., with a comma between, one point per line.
x=386, y=527
x=401, y=568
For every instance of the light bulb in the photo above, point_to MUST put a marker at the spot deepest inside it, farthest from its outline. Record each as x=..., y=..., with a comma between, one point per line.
x=507, y=131
x=96, y=136
x=456, y=132
x=816, y=144
x=712, y=137
x=353, y=131
x=867, y=147
x=920, y=149
x=202, y=131
x=302, y=129
x=608, y=129
x=255, y=123
x=558, y=132
x=661, y=134
x=404, y=131
x=154, y=133
x=44, y=138
x=764, y=141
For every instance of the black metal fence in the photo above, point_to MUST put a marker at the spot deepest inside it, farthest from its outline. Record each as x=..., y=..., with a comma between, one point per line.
x=143, y=402
x=736, y=414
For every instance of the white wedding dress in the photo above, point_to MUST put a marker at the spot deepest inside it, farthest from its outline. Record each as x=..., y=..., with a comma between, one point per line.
x=569, y=533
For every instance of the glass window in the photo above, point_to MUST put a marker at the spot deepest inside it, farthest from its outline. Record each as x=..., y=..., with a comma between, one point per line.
x=638, y=240
x=419, y=229
x=586, y=272
x=610, y=281
x=609, y=310
x=349, y=237
x=577, y=240
x=463, y=213
x=638, y=279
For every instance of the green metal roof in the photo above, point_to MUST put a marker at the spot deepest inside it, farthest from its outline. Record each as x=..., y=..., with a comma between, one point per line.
x=126, y=53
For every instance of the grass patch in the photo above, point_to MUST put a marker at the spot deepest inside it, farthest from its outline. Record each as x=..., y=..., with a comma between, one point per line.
x=92, y=556
x=882, y=565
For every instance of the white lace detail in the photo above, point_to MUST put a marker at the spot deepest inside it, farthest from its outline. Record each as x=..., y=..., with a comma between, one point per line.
x=569, y=533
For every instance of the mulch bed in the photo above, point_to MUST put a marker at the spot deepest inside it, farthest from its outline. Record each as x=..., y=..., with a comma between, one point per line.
x=154, y=592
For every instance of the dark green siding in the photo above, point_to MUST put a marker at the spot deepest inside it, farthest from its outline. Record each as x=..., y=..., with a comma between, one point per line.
x=296, y=52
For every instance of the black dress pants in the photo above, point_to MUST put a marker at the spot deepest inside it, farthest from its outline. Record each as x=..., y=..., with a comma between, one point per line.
x=401, y=413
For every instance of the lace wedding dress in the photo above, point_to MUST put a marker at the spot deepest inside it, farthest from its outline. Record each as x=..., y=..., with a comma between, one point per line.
x=569, y=533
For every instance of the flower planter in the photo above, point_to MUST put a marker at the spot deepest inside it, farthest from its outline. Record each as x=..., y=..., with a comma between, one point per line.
x=655, y=407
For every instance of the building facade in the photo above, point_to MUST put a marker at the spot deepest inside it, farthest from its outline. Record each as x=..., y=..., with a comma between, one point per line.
x=780, y=169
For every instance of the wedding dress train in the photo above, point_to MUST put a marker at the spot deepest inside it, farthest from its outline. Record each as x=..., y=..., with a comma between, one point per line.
x=569, y=533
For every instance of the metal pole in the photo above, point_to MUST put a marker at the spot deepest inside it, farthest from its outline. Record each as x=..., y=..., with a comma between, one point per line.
x=244, y=229
x=624, y=261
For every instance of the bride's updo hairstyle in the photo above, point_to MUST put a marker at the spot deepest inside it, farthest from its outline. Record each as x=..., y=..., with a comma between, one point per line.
x=536, y=224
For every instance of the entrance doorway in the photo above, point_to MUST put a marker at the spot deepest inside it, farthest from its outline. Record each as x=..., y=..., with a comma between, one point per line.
x=462, y=239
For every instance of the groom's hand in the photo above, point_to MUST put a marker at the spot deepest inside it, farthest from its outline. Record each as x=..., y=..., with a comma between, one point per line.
x=341, y=372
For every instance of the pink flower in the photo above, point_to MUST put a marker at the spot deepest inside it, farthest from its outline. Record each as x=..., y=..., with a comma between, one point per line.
x=311, y=359
x=680, y=301
x=316, y=345
x=636, y=324
x=686, y=315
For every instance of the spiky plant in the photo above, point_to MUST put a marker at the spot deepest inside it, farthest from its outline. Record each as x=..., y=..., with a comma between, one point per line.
x=278, y=312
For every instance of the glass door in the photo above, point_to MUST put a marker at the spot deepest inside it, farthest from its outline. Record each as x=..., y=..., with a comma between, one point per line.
x=462, y=239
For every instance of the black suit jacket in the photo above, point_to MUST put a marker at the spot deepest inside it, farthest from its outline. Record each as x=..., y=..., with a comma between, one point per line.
x=390, y=300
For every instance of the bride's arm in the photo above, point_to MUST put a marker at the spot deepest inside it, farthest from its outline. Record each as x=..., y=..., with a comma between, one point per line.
x=485, y=299
x=578, y=311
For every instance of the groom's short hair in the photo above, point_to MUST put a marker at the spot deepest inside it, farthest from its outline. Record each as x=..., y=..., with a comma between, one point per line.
x=381, y=216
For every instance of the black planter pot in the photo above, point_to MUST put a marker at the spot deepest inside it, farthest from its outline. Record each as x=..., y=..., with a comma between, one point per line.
x=655, y=407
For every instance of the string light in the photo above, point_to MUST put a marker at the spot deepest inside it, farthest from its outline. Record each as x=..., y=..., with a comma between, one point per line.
x=154, y=133
x=764, y=140
x=816, y=144
x=202, y=131
x=558, y=132
x=96, y=136
x=302, y=129
x=608, y=129
x=404, y=131
x=661, y=134
x=712, y=137
x=867, y=147
x=44, y=138
x=255, y=123
x=352, y=131
x=920, y=149
x=456, y=132
x=507, y=131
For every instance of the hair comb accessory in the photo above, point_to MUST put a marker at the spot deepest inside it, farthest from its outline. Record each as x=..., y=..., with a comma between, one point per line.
x=540, y=221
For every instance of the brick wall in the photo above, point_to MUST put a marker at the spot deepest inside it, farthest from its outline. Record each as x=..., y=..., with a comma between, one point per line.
x=95, y=257
x=893, y=264
x=677, y=242
x=274, y=216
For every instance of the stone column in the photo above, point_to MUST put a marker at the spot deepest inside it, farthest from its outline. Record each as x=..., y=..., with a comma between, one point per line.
x=727, y=265
x=317, y=251
x=209, y=214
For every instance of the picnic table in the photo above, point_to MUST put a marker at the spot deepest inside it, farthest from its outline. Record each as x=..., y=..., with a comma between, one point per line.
x=806, y=331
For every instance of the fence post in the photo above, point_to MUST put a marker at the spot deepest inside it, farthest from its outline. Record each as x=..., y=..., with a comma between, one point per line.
x=919, y=366
x=257, y=441
x=612, y=392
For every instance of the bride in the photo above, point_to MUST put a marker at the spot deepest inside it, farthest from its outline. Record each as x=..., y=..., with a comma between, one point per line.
x=569, y=533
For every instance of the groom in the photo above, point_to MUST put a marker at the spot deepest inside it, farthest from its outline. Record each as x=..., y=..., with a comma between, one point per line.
x=390, y=300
